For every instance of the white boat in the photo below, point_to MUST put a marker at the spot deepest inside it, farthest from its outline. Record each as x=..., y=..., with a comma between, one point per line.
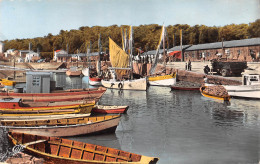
x=161, y=80
x=250, y=87
x=136, y=84
x=121, y=66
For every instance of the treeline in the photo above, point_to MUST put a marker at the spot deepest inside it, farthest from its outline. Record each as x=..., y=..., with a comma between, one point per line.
x=146, y=37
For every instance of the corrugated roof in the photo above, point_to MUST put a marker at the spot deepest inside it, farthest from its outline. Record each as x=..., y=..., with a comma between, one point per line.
x=226, y=44
x=178, y=48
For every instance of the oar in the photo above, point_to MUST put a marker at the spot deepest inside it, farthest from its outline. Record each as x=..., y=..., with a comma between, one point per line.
x=33, y=142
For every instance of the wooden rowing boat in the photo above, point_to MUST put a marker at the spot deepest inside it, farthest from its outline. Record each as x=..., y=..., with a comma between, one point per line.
x=14, y=106
x=42, y=117
x=65, y=127
x=59, y=150
x=61, y=95
x=213, y=96
x=111, y=109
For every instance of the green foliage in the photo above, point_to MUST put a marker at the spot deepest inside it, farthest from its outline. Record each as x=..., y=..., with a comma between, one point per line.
x=145, y=36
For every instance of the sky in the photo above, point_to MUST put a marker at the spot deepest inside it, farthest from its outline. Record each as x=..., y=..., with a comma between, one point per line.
x=21, y=19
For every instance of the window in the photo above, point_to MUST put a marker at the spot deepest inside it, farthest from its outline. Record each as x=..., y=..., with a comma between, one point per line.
x=36, y=81
x=238, y=52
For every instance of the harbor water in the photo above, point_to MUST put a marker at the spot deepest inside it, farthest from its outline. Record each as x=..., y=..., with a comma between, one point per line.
x=180, y=126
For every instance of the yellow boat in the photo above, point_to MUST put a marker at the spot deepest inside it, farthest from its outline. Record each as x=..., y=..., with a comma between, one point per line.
x=163, y=80
x=213, y=96
x=13, y=107
x=60, y=150
x=7, y=82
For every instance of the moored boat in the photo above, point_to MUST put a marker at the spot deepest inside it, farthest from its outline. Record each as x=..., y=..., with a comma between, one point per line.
x=250, y=88
x=215, y=92
x=162, y=80
x=42, y=117
x=95, y=81
x=15, y=106
x=135, y=84
x=59, y=150
x=122, y=68
x=64, y=127
x=111, y=109
x=61, y=95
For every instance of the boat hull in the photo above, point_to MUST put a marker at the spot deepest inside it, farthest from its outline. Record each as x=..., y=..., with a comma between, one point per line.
x=60, y=150
x=244, y=91
x=70, y=130
x=205, y=94
x=43, y=117
x=163, y=80
x=138, y=84
x=95, y=81
x=69, y=95
x=109, y=109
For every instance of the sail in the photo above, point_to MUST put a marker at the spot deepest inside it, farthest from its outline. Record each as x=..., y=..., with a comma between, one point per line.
x=162, y=37
x=118, y=57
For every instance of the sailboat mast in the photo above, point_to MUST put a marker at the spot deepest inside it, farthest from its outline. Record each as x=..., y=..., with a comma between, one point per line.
x=131, y=51
x=99, y=53
x=164, y=55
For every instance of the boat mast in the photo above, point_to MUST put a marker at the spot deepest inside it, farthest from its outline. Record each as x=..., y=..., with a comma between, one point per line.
x=131, y=51
x=99, y=53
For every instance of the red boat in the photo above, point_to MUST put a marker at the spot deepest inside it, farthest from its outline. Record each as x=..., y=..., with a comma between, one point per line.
x=111, y=109
x=95, y=81
x=61, y=95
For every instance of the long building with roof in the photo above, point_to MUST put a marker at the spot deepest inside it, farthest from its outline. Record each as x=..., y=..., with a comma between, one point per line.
x=240, y=50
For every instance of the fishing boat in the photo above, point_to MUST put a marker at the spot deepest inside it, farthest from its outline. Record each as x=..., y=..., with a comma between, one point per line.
x=73, y=71
x=215, y=92
x=60, y=150
x=42, y=117
x=6, y=82
x=95, y=81
x=15, y=106
x=111, y=109
x=250, y=88
x=163, y=79
x=121, y=69
x=64, y=127
x=59, y=95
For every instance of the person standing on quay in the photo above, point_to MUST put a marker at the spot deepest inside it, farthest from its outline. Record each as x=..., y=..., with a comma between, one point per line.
x=189, y=65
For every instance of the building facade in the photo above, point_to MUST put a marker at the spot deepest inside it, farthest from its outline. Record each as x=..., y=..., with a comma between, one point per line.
x=240, y=50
